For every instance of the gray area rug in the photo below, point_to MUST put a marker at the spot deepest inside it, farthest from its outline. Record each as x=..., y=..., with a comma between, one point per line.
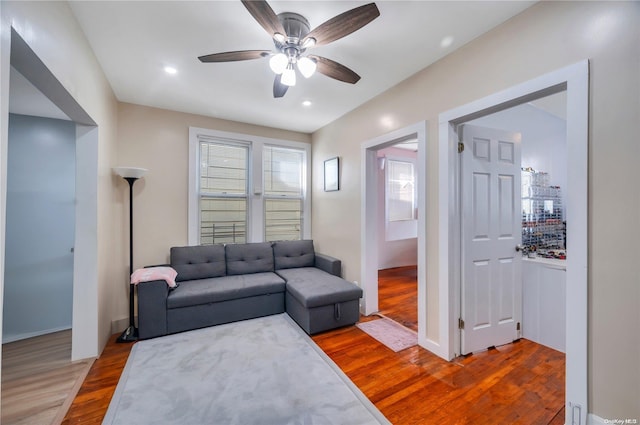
x=260, y=371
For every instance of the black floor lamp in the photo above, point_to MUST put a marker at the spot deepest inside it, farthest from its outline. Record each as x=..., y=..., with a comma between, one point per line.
x=130, y=174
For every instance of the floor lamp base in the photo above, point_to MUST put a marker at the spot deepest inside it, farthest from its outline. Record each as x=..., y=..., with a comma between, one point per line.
x=129, y=335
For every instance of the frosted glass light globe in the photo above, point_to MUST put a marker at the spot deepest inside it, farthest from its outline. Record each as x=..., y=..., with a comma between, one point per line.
x=289, y=76
x=306, y=66
x=278, y=63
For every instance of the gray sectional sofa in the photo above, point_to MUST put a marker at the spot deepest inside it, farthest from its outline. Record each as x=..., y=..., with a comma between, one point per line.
x=226, y=283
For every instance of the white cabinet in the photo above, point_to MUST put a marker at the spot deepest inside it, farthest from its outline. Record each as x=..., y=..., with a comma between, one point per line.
x=544, y=302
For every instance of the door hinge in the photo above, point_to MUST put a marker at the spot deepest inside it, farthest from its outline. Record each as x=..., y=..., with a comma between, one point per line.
x=460, y=323
x=460, y=147
x=518, y=326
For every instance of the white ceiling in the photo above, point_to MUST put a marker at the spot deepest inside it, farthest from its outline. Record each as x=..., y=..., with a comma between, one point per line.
x=135, y=40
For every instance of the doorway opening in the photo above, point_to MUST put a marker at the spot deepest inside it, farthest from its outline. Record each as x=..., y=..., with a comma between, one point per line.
x=398, y=230
x=574, y=80
x=40, y=220
x=538, y=205
x=84, y=315
x=376, y=155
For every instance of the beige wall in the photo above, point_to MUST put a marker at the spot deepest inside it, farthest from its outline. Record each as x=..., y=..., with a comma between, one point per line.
x=158, y=140
x=546, y=37
x=50, y=29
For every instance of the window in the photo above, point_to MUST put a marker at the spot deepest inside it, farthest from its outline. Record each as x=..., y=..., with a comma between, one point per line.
x=401, y=193
x=246, y=188
x=401, y=199
x=283, y=193
x=223, y=192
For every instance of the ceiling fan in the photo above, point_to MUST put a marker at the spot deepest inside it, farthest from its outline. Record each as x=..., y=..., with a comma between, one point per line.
x=292, y=37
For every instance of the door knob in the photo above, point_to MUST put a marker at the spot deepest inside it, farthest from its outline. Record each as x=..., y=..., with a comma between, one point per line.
x=519, y=248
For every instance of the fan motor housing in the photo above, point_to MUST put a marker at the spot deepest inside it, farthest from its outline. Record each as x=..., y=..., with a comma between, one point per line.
x=296, y=26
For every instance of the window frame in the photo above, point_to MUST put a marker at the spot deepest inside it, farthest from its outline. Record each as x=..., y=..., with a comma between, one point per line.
x=255, y=193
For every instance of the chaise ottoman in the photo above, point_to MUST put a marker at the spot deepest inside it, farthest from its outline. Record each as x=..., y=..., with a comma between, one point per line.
x=317, y=298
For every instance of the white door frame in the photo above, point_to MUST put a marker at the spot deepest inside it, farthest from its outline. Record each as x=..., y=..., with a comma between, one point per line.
x=369, y=211
x=575, y=80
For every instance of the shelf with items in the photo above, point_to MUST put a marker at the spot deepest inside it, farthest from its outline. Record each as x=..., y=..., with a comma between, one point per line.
x=543, y=227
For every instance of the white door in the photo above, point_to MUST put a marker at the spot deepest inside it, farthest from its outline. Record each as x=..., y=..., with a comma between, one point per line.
x=491, y=206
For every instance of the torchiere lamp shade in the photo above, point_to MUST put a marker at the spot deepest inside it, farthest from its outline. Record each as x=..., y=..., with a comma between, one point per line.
x=130, y=172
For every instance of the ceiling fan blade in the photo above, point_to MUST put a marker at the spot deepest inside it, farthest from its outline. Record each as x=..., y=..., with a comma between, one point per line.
x=241, y=55
x=343, y=24
x=335, y=70
x=279, y=89
x=266, y=17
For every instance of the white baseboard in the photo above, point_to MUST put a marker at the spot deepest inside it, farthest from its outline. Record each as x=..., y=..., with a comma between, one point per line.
x=17, y=337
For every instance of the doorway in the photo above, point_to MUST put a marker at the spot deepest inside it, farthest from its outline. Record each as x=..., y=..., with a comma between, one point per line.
x=573, y=79
x=370, y=211
x=540, y=235
x=40, y=223
x=398, y=229
x=84, y=316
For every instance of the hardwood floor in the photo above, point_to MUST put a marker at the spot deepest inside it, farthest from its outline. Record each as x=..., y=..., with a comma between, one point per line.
x=92, y=401
x=398, y=295
x=39, y=379
x=519, y=383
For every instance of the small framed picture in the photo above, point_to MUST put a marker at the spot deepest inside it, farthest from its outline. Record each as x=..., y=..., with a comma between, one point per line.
x=332, y=174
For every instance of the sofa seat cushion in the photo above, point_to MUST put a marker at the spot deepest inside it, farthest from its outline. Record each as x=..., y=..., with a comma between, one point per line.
x=313, y=287
x=205, y=291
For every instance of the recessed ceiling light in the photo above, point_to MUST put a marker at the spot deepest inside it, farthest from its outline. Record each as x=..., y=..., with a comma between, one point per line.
x=170, y=70
x=446, y=41
x=306, y=103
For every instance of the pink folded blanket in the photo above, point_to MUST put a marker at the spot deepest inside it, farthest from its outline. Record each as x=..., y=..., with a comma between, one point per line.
x=149, y=274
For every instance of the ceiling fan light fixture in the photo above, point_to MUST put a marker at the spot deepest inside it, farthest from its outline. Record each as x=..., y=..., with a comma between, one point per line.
x=278, y=63
x=289, y=76
x=307, y=66
x=308, y=42
x=291, y=35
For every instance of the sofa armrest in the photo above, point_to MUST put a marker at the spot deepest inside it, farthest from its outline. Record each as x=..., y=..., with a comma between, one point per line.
x=329, y=264
x=152, y=308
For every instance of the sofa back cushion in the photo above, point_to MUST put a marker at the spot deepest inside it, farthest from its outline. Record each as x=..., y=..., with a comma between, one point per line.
x=198, y=262
x=247, y=258
x=293, y=254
